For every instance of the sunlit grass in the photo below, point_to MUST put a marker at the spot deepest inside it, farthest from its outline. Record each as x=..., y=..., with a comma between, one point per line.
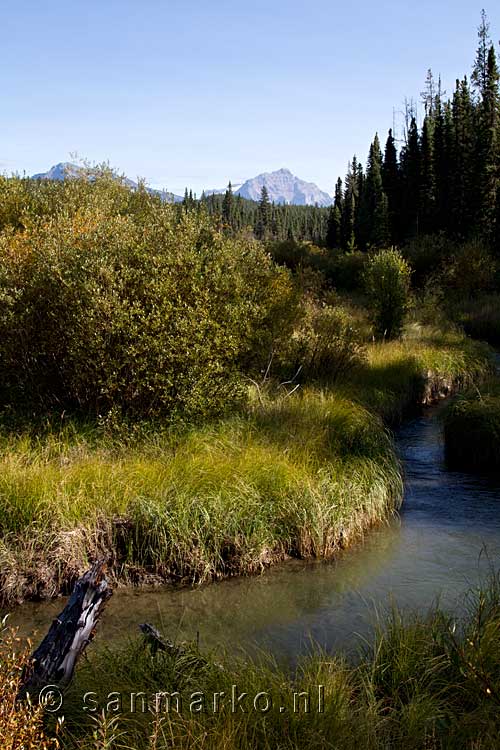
x=301, y=474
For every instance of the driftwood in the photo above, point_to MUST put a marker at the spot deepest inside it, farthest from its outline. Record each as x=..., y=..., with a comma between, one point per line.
x=54, y=660
x=191, y=653
x=156, y=641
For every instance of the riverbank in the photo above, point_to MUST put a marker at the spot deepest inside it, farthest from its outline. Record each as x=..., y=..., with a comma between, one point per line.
x=302, y=475
x=428, y=681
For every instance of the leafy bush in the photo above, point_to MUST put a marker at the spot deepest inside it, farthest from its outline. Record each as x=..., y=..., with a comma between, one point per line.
x=326, y=343
x=149, y=313
x=426, y=255
x=347, y=270
x=471, y=270
x=480, y=317
x=387, y=282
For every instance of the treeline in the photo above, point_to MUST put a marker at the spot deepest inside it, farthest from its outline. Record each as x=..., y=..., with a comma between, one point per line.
x=266, y=219
x=446, y=176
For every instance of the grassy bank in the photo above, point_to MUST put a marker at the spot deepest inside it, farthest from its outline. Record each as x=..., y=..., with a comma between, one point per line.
x=428, y=681
x=293, y=475
x=472, y=429
x=480, y=317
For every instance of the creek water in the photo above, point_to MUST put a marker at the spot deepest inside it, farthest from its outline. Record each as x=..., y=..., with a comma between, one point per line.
x=445, y=539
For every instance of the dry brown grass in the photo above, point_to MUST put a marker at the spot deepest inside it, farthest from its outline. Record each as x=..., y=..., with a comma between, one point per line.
x=21, y=724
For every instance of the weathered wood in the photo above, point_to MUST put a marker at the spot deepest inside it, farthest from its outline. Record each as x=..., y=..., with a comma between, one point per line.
x=156, y=641
x=54, y=660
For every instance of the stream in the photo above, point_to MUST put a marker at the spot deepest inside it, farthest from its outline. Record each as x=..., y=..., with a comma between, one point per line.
x=445, y=539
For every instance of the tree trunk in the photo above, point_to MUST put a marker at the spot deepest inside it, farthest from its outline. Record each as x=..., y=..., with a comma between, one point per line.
x=54, y=661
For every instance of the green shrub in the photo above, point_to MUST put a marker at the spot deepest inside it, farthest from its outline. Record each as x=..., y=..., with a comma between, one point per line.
x=347, y=270
x=387, y=282
x=151, y=314
x=471, y=270
x=326, y=343
x=480, y=317
x=426, y=255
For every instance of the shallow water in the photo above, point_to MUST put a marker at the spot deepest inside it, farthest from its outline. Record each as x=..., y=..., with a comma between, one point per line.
x=446, y=538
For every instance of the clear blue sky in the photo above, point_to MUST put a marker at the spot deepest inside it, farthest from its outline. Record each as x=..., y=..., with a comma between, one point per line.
x=196, y=93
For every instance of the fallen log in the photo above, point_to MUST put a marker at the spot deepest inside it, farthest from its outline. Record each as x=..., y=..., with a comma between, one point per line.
x=54, y=660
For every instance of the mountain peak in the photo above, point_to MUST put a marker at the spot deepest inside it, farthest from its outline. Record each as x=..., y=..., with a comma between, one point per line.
x=284, y=187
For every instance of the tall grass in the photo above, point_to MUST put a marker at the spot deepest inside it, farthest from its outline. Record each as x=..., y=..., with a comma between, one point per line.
x=299, y=476
x=428, y=681
x=294, y=475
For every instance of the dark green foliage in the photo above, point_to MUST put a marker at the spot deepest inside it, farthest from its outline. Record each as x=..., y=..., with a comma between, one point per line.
x=347, y=270
x=472, y=430
x=470, y=270
x=411, y=181
x=427, y=181
x=480, y=317
x=392, y=187
x=387, y=282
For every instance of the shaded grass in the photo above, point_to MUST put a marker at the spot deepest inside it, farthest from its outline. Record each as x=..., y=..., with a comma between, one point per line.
x=295, y=475
x=480, y=317
x=430, y=681
x=472, y=429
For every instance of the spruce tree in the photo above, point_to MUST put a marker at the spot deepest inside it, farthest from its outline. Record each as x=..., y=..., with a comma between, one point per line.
x=488, y=149
x=410, y=179
x=392, y=187
x=464, y=197
x=427, y=179
x=479, y=76
x=374, y=200
x=227, y=206
x=348, y=239
x=264, y=213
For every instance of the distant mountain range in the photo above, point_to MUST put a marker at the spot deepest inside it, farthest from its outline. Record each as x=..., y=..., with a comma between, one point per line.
x=282, y=186
x=65, y=170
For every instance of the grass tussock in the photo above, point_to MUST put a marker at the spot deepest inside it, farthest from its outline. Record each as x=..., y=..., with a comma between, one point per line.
x=472, y=429
x=426, y=682
x=294, y=475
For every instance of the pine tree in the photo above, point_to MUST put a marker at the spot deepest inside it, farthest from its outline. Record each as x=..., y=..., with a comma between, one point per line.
x=427, y=179
x=429, y=94
x=392, y=187
x=410, y=178
x=264, y=213
x=374, y=200
x=488, y=149
x=348, y=239
x=480, y=71
x=443, y=143
x=463, y=195
x=334, y=226
x=227, y=206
